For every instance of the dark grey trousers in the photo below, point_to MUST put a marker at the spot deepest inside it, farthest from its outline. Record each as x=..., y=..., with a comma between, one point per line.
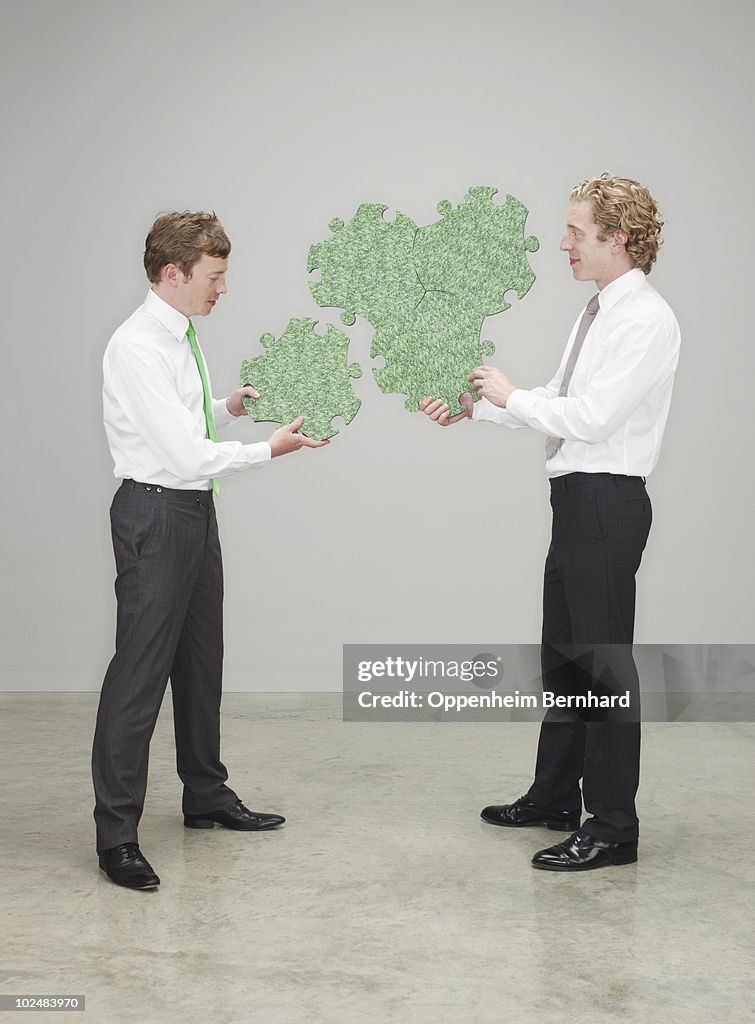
x=169, y=588
x=601, y=523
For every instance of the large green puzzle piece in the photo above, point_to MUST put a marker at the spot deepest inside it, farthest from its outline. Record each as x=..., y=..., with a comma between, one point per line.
x=426, y=290
x=303, y=374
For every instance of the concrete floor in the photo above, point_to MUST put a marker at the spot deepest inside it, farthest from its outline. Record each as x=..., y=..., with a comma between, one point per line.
x=384, y=899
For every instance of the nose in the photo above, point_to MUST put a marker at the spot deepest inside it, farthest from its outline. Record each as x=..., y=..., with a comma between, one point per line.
x=565, y=243
x=222, y=286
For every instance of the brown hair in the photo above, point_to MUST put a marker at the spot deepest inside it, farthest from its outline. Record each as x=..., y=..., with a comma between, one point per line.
x=621, y=204
x=183, y=238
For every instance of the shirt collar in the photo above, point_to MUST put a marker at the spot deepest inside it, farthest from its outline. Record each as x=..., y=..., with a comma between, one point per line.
x=617, y=289
x=172, y=319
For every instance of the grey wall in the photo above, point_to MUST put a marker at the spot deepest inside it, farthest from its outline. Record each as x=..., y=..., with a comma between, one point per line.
x=281, y=117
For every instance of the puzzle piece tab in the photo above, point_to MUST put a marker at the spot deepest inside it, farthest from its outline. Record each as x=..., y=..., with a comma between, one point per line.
x=303, y=374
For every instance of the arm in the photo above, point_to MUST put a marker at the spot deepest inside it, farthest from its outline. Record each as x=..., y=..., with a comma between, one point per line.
x=637, y=357
x=146, y=391
x=494, y=389
x=487, y=408
x=483, y=409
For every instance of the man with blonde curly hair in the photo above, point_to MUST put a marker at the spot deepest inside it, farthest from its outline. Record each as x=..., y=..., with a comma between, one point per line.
x=603, y=414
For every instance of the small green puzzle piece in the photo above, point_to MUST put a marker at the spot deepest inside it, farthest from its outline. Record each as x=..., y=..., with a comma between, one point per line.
x=426, y=290
x=303, y=374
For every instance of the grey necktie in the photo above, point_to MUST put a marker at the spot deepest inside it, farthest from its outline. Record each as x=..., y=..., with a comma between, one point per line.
x=552, y=444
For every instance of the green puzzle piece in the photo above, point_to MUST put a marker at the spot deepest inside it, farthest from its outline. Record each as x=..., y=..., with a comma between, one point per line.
x=477, y=251
x=303, y=374
x=426, y=290
x=431, y=352
x=367, y=267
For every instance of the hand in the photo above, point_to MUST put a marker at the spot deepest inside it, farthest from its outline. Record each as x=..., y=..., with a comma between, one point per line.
x=437, y=409
x=233, y=403
x=288, y=439
x=493, y=384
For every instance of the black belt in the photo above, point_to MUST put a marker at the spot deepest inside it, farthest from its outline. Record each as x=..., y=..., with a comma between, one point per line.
x=174, y=493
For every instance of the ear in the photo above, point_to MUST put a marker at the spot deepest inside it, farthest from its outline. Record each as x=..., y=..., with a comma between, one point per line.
x=620, y=239
x=170, y=274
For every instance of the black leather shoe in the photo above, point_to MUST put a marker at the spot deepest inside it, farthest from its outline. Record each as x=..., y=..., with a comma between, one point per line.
x=523, y=812
x=236, y=816
x=125, y=865
x=583, y=852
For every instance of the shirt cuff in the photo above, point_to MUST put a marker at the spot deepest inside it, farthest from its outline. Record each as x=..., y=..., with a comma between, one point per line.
x=258, y=454
x=485, y=410
x=520, y=404
x=221, y=414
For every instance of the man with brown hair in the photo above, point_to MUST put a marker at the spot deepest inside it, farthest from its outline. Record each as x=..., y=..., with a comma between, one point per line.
x=160, y=421
x=604, y=413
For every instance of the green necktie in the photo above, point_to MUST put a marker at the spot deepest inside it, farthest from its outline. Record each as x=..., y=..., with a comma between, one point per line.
x=209, y=415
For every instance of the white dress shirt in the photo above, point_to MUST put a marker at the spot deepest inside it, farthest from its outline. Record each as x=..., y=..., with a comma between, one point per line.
x=613, y=417
x=154, y=406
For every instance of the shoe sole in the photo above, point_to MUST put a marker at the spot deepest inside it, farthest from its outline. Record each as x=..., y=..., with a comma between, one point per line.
x=554, y=826
x=622, y=858
x=209, y=823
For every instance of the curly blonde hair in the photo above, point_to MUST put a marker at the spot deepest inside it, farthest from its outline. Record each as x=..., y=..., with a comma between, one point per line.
x=621, y=204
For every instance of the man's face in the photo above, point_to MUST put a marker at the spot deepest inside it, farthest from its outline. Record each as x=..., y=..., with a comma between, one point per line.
x=590, y=258
x=198, y=293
